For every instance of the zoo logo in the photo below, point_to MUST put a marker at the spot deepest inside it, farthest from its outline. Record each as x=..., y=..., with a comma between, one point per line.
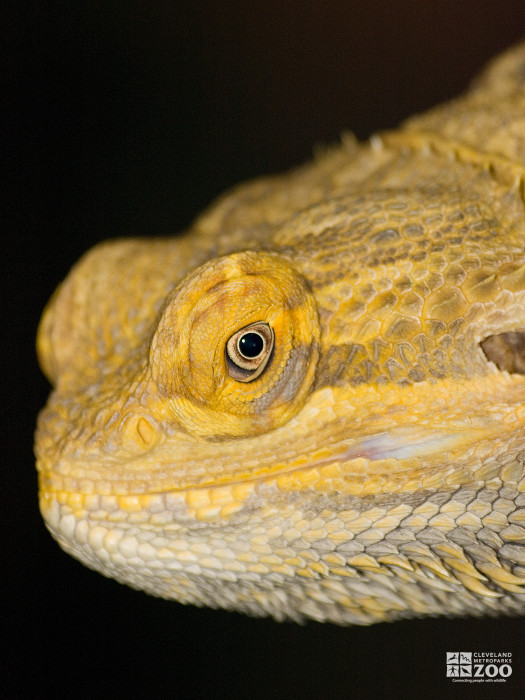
x=472, y=667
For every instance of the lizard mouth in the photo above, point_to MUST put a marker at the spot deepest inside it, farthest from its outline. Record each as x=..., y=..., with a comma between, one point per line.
x=409, y=445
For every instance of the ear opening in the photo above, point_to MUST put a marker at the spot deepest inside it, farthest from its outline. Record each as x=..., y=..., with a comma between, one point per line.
x=506, y=351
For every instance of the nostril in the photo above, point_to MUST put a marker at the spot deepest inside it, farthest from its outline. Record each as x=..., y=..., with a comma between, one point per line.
x=139, y=434
x=506, y=350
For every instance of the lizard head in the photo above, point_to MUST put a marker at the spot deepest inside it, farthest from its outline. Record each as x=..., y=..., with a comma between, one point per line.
x=264, y=388
x=267, y=419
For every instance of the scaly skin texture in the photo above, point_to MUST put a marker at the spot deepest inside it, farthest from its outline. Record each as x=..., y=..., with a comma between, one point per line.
x=374, y=469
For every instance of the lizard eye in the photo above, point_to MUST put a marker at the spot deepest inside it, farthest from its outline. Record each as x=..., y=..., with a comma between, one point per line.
x=235, y=351
x=248, y=351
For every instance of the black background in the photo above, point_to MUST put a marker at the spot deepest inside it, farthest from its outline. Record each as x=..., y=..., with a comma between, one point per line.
x=126, y=118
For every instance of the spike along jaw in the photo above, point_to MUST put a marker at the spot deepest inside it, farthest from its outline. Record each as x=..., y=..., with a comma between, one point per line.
x=236, y=348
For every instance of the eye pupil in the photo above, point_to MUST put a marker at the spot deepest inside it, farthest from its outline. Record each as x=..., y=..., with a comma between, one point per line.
x=251, y=345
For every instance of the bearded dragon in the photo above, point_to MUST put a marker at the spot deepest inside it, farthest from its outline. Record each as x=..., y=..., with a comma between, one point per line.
x=312, y=403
